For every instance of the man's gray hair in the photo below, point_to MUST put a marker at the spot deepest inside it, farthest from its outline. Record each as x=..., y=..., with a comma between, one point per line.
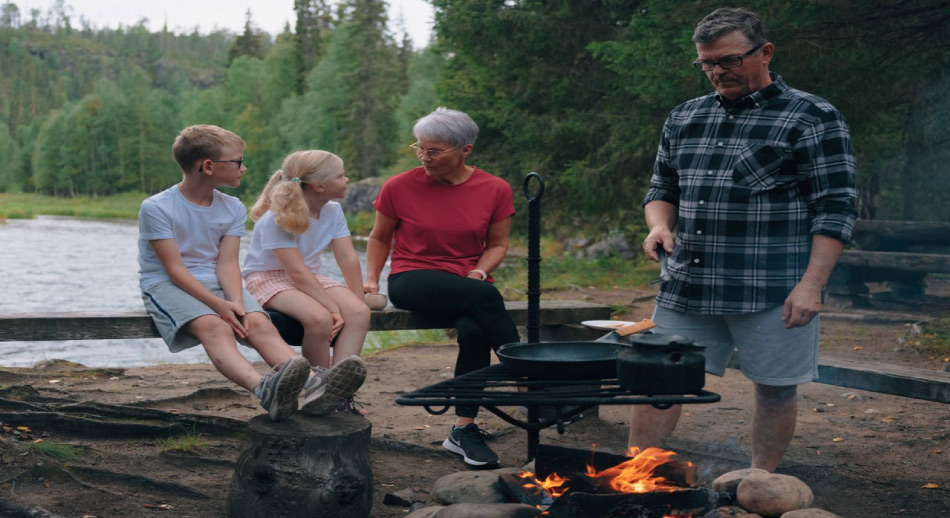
x=726, y=20
x=446, y=125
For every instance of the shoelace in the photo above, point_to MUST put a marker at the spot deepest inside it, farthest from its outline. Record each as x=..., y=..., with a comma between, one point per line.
x=479, y=432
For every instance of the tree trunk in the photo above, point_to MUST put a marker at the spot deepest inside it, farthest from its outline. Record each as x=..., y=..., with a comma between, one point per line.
x=304, y=466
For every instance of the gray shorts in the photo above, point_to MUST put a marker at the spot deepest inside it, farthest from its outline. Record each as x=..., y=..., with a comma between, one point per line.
x=769, y=353
x=172, y=307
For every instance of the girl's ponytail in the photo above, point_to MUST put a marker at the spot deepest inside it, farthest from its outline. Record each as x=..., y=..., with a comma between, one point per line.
x=262, y=204
x=288, y=204
x=283, y=193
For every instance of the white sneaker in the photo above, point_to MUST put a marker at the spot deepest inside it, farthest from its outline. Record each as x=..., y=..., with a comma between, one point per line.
x=327, y=388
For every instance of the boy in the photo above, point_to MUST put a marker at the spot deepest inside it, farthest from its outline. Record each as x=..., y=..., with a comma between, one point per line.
x=189, y=242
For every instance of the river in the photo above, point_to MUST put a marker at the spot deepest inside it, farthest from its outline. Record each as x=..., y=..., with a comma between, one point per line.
x=58, y=264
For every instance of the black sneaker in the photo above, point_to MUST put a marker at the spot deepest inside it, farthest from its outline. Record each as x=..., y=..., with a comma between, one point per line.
x=469, y=442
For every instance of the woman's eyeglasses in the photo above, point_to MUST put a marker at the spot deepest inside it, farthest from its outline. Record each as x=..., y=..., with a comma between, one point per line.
x=434, y=154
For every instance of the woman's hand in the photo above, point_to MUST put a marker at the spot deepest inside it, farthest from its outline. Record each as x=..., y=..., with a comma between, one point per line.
x=370, y=286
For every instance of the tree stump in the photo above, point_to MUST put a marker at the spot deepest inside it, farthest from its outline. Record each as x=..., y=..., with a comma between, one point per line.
x=304, y=466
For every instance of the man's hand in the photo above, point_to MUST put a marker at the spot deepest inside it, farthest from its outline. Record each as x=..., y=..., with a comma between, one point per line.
x=233, y=314
x=802, y=304
x=371, y=287
x=659, y=236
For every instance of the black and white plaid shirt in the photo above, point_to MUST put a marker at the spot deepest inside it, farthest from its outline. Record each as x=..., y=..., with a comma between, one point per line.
x=752, y=181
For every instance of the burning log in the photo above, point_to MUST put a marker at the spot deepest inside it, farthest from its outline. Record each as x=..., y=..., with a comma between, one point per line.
x=525, y=489
x=556, y=459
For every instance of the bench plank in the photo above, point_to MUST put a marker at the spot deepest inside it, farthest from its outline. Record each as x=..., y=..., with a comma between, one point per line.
x=910, y=262
x=34, y=327
x=886, y=379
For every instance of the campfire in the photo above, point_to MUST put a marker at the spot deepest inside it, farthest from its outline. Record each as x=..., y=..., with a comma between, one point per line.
x=648, y=484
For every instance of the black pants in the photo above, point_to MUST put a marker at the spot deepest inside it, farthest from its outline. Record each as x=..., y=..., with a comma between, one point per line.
x=479, y=311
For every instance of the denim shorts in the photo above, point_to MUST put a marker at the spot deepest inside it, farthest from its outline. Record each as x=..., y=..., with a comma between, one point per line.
x=769, y=354
x=172, y=307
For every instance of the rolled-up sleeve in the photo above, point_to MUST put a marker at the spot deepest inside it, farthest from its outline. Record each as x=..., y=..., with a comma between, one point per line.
x=664, y=184
x=826, y=162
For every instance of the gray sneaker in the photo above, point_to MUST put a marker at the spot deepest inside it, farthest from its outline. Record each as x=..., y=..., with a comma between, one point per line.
x=327, y=388
x=280, y=387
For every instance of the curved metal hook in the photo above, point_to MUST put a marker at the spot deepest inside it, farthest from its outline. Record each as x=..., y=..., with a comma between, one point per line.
x=527, y=191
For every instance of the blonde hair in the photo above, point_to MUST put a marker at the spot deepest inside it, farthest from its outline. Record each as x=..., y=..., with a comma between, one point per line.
x=202, y=141
x=283, y=193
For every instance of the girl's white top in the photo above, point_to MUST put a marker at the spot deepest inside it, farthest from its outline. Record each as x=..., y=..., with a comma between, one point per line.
x=268, y=236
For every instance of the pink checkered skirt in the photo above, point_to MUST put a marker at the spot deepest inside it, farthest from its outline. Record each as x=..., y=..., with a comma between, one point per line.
x=264, y=285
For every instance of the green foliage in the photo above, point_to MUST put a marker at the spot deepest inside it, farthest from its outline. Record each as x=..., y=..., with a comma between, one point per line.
x=577, y=91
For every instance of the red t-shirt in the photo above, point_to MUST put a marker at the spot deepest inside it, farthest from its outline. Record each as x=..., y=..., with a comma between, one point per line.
x=440, y=226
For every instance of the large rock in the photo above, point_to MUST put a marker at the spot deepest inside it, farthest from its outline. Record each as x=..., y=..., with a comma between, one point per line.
x=772, y=495
x=615, y=244
x=469, y=487
x=810, y=513
x=488, y=511
x=361, y=195
x=304, y=467
x=729, y=482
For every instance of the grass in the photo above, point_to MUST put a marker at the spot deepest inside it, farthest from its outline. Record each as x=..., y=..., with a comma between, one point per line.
x=936, y=336
x=560, y=270
x=190, y=442
x=27, y=206
x=55, y=450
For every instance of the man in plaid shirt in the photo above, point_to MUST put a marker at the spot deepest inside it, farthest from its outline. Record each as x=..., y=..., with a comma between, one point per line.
x=759, y=178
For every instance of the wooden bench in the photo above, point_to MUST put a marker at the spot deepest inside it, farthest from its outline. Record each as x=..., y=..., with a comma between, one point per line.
x=560, y=320
x=900, y=253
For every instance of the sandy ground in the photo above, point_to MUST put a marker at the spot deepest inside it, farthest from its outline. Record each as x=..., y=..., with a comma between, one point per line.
x=864, y=454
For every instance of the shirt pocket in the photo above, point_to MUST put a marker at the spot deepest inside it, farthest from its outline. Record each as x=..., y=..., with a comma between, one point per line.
x=765, y=167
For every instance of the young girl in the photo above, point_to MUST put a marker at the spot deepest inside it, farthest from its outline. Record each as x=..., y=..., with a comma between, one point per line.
x=296, y=220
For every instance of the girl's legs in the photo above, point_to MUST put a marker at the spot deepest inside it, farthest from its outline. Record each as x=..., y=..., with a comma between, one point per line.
x=314, y=318
x=356, y=323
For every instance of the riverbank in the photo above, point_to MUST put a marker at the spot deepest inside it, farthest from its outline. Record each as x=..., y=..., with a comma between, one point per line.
x=169, y=435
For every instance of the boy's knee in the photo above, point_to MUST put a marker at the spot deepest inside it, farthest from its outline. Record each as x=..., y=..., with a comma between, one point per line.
x=207, y=328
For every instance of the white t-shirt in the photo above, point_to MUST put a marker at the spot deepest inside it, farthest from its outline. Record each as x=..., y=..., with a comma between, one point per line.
x=268, y=236
x=196, y=230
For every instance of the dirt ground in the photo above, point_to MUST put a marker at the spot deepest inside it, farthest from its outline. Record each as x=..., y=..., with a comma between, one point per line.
x=864, y=454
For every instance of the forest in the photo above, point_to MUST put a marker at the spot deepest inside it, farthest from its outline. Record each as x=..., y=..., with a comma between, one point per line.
x=575, y=90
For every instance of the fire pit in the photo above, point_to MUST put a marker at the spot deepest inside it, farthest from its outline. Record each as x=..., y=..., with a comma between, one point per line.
x=648, y=484
x=497, y=386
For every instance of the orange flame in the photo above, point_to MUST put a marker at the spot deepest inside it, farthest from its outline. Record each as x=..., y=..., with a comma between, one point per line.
x=636, y=475
x=554, y=484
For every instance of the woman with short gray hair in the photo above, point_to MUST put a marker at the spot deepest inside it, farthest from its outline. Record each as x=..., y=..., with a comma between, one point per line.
x=447, y=225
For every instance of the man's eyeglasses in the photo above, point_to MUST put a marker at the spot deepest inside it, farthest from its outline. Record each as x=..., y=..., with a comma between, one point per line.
x=727, y=62
x=239, y=161
x=434, y=154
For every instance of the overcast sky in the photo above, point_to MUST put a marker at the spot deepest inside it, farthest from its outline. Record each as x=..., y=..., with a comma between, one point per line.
x=184, y=15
